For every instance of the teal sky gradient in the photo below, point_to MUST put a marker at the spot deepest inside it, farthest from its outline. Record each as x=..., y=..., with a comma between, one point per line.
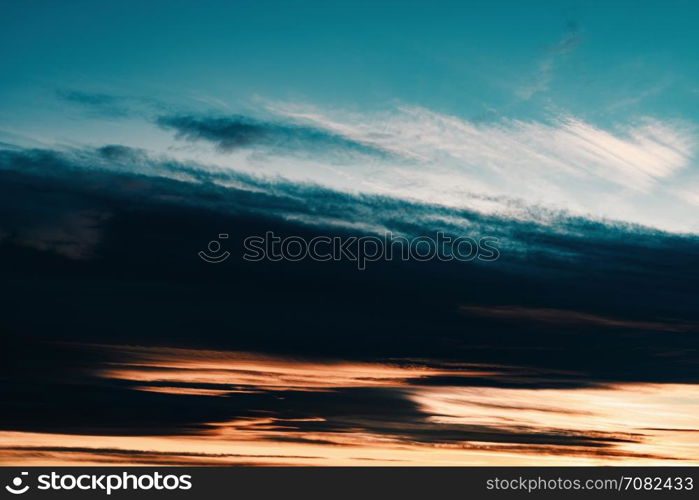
x=467, y=58
x=614, y=66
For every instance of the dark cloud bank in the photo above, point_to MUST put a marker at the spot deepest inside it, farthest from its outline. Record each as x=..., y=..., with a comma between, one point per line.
x=100, y=246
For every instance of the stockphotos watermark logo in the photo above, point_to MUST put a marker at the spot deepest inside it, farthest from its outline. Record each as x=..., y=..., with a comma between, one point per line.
x=358, y=249
x=17, y=486
x=105, y=483
x=214, y=254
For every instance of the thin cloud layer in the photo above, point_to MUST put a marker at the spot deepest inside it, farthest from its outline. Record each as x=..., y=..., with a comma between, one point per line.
x=637, y=171
x=563, y=317
x=541, y=80
x=242, y=132
x=564, y=163
x=360, y=411
x=568, y=146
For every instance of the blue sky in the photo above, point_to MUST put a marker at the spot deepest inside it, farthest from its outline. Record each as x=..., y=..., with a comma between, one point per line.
x=566, y=105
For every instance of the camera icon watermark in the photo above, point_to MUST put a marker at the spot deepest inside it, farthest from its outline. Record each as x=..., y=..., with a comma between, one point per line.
x=16, y=487
x=214, y=253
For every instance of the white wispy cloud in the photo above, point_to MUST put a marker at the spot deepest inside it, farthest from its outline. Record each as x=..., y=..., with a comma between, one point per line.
x=565, y=162
x=541, y=79
x=640, y=171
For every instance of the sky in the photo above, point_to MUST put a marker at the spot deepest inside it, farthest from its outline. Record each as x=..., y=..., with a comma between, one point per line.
x=595, y=102
x=133, y=133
